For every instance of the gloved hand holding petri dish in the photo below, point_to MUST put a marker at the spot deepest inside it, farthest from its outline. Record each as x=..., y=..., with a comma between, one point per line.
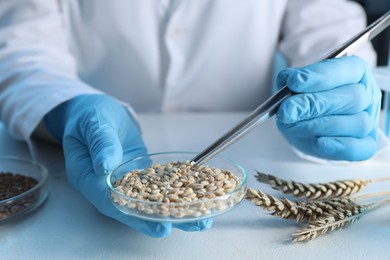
x=97, y=134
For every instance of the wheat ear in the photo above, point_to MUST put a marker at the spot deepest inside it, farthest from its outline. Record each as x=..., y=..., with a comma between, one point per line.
x=298, y=210
x=337, y=219
x=314, y=191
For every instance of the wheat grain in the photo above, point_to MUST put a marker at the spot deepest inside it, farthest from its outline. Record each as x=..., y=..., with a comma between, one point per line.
x=176, y=183
x=314, y=191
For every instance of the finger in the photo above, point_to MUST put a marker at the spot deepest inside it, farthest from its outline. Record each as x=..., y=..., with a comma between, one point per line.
x=281, y=79
x=153, y=229
x=105, y=148
x=348, y=148
x=77, y=158
x=201, y=225
x=337, y=148
x=324, y=75
x=134, y=148
x=103, y=139
x=348, y=99
x=359, y=126
x=94, y=188
x=108, y=150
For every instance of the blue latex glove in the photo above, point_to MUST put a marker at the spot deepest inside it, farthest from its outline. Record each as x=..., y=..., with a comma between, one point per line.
x=335, y=114
x=97, y=134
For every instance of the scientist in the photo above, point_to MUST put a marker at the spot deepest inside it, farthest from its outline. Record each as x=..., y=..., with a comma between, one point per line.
x=79, y=70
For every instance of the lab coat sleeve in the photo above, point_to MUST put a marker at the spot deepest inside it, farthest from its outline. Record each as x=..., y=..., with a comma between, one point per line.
x=313, y=28
x=37, y=70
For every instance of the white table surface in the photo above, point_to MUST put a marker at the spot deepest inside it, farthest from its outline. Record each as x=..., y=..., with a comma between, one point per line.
x=66, y=226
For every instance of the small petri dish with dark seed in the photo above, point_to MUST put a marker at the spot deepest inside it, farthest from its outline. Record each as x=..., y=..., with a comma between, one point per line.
x=23, y=187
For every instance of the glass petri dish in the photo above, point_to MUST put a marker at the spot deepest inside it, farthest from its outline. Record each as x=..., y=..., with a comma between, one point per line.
x=172, y=211
x=21, y=204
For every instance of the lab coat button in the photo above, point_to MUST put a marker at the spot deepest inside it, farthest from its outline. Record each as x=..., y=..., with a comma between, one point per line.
x=177, y=31
x=170, y=108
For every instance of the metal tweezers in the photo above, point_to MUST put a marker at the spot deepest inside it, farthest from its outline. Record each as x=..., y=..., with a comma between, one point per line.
x=269, y=108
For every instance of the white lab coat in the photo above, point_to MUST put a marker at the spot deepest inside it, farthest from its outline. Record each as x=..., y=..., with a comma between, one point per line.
x=158, y=55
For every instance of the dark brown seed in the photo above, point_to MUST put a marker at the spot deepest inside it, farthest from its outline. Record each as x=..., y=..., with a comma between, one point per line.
x=11, y=185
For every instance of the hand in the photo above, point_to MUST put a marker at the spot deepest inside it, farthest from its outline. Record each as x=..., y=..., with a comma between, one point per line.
x=97, y=134
x=335, y=113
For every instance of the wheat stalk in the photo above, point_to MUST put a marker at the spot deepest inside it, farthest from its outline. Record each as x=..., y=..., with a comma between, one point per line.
x=326, y=206
x=298, y=210
x=333, y=220
x=315, y=191
x=321, y=226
